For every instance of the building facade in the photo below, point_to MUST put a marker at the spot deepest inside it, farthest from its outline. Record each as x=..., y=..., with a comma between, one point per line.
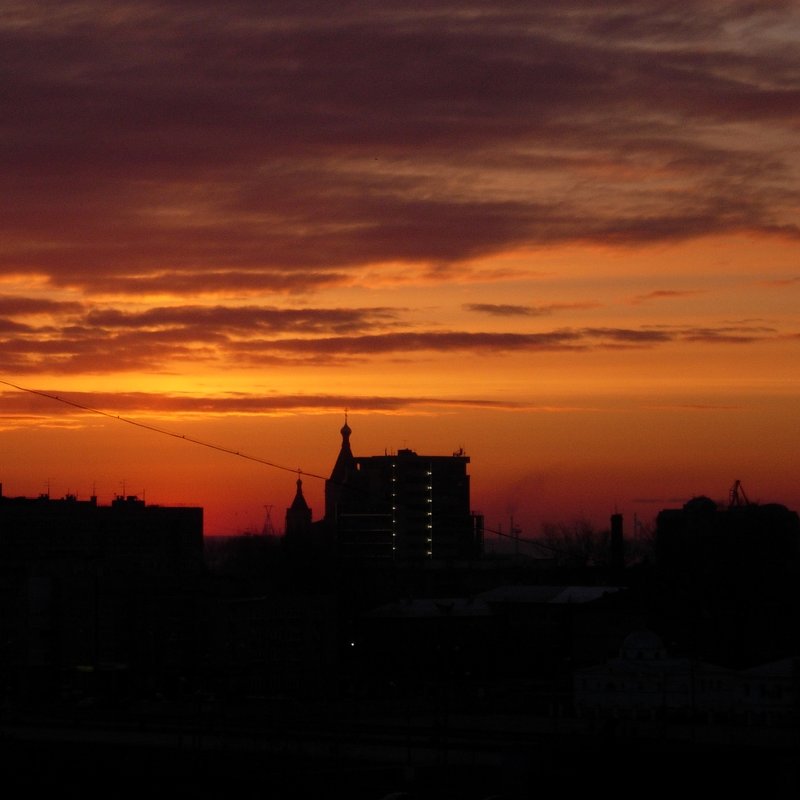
x=404, y=507
x=91, y=591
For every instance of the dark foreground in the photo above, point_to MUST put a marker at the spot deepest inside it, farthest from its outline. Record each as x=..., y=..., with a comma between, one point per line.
x=467, y=759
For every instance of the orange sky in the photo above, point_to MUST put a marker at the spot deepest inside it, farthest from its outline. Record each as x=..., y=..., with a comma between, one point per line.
x=561, y=236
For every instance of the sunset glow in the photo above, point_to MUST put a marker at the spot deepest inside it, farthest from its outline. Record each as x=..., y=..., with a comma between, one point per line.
x=563, y=236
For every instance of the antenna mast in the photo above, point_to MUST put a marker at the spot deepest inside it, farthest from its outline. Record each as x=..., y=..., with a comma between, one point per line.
x=737, y=496
x=268, y=530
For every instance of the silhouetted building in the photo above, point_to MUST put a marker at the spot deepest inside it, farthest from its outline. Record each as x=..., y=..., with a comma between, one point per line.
x=298, y=529
x=515, y=643
x=742, y=535
x=88, y=589
x=726, y=578
x=646, y=682
x=298, y=515
x=157, y=539
x=403, y=507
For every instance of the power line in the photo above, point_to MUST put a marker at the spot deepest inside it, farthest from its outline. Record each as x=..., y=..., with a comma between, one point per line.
x=229, y=451
x=525, y=540
x=162, y=431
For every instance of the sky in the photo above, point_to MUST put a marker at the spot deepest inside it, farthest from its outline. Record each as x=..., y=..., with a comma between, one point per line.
x=563, y=236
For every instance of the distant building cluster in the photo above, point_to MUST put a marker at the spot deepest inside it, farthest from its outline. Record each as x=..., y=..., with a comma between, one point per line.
x=390, y=595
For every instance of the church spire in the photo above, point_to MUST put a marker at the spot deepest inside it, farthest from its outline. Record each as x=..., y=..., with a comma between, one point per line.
x=345, y=430
x=343, y=475
x=299, y=502
x=345, y=463
x=298, y=515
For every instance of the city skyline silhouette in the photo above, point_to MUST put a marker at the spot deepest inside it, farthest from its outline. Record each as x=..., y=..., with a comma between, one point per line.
x=408, y=385
x=381, y=646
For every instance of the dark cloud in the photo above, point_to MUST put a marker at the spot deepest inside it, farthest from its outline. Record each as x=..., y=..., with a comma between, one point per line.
x=665, y=294
x=416, y=342
x=627, y=336
x=508, y=310
x=753, y=329
x=196, y=282
x=243, y=319
x=18, y=305
x=10, y=326
x=505, y=310
x=112, y=340
x=343, y=349
x=187, y=147
x=722, y=335
x=40, y=402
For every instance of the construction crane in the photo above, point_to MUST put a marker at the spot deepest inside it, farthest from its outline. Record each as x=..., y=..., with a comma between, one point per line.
x=737, y=498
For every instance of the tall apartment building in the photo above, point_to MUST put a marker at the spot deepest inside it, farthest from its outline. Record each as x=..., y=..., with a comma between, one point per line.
x=92, y=593
x=405, y=506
